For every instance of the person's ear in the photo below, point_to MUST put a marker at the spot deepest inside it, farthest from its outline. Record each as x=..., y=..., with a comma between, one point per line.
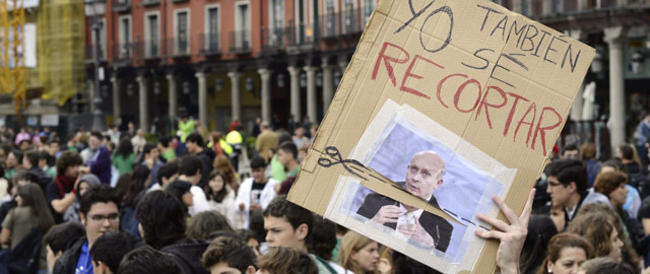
x=572, y=186
x=82, y=217
x=302, y=231
x=250, y=270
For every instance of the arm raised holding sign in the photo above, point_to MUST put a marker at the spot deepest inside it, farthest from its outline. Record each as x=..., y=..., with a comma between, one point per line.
x=511, y=236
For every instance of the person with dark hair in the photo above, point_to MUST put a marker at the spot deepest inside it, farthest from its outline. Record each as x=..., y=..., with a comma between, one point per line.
x=570, y=151
x=567, y=185
x=255, y=193
x=150, y=154
x=31, y=218
x=30, y=164
x=636, y=174
x=165, y=146
x=203, y=224
x=162, y=225
x=13, y=162
x=167, y=173
x=322, y=241
x=251, y=239
x=146, y=260
x=59, y=238
x=99, y=212
x=195, y=146
x=189, y=170
x=221, y=197
x=62, y=193
x=288, y=260
x=540, y=231
x=43, y=164
x=181, y=190
x=162, y=219
x=109, y=249
x=289, y=225
x=229, y=255
x=288, y=157
x=124, y=157
x=135, y=190
x=97, y=158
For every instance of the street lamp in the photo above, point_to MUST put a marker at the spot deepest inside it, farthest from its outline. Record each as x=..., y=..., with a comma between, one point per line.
x=96, y=9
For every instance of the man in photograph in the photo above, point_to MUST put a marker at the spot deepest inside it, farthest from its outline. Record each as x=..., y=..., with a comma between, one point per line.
x=420, y=227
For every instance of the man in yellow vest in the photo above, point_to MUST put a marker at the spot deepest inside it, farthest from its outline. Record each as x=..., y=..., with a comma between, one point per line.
x=235, y=139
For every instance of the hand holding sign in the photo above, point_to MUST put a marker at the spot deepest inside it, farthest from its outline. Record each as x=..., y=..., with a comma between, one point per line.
x=511, y=236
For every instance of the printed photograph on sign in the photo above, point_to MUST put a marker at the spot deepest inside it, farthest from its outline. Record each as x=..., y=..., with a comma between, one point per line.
x=426, y=168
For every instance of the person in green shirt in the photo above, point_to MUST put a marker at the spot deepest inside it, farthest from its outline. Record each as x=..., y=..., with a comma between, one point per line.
x=124, y=157
x=166, y=149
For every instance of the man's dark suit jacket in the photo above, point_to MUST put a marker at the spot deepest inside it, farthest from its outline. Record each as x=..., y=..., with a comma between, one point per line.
x=439, y=228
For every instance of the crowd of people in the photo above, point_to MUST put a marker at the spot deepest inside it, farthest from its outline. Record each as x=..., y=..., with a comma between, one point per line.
x=128, y=202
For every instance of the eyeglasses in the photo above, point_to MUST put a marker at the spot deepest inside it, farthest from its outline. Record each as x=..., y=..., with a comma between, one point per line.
x=110, y=217
x=553, y=184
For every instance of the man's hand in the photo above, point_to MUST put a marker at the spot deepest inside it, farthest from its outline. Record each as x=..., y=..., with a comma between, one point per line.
x=387, y=214
x=242, y=206
x=417, y=233
x=511, y=236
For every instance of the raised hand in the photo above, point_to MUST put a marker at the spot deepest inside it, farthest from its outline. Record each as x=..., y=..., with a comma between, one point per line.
x=511, y=236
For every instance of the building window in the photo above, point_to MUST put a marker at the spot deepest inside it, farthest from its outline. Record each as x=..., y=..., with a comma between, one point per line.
x=557, y=6
x=242, y=25
x=124, y=49
x=182, y=32
x=368, y=7
x=152, y=42
x=276, y=21
x=349, y=17
x=102, y=38
x=330, y=18
x=212, y=31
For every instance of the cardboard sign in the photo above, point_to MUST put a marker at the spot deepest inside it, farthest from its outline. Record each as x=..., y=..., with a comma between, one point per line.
x=444, y=105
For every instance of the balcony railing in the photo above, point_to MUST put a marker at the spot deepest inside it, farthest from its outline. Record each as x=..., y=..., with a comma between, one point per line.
x=300, y=34
x=210, y=43
x=122, y=5
x=273, y=39
x=347, y=22
x=122, y=51
x=147, y=49
x=240, y=41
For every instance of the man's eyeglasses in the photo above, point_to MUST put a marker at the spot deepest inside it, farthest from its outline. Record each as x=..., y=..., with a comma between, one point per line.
x=554, y=184
x=110, y=217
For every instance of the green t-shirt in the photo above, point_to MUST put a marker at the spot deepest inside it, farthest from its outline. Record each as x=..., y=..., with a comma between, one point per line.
x=277, y=170
x=169, y=155
x=123, y=164
x=186, y=128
